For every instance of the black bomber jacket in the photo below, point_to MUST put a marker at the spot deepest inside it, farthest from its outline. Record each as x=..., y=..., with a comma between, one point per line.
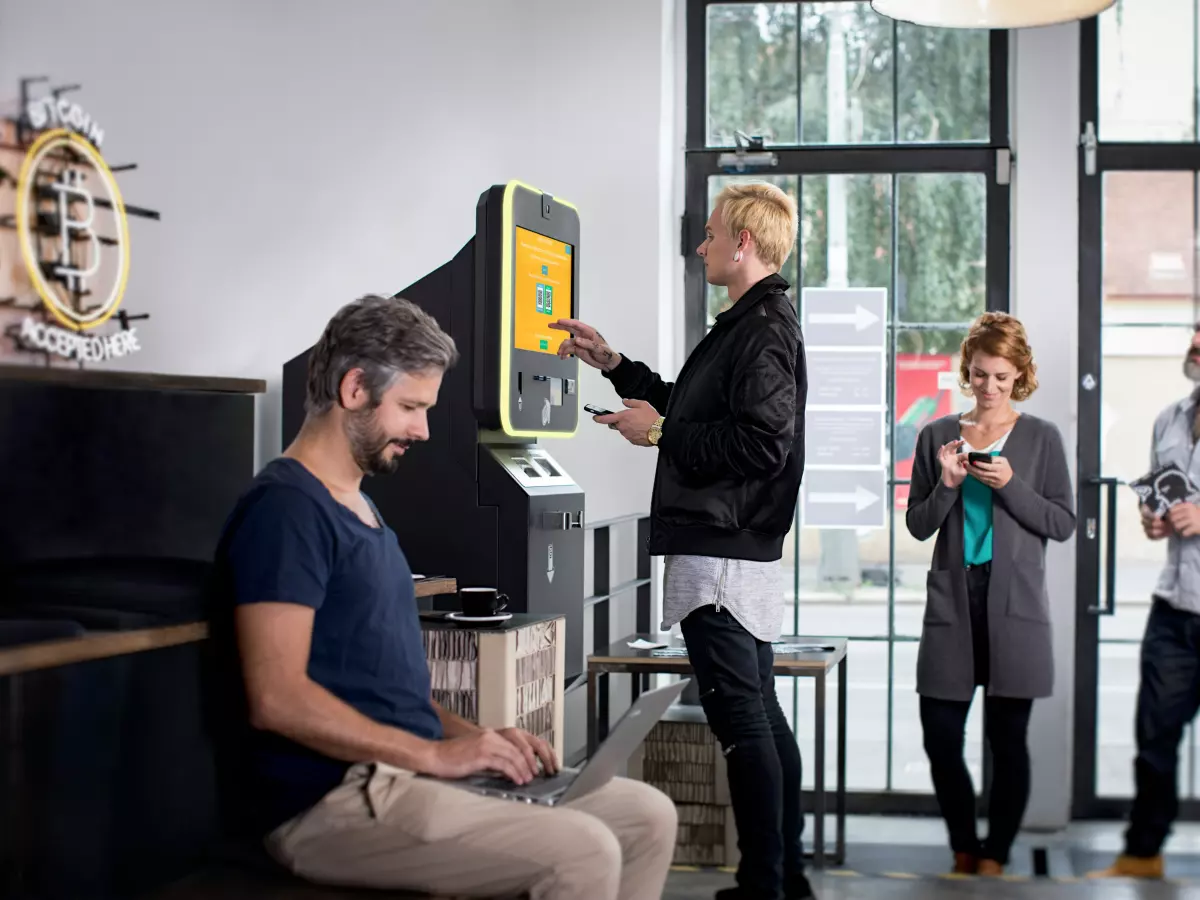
x=731, y=455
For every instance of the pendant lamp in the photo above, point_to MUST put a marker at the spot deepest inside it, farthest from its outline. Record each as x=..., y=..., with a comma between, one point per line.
x=989, y=13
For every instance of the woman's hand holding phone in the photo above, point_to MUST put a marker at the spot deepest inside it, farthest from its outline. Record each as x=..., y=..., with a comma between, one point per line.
x=995, y=473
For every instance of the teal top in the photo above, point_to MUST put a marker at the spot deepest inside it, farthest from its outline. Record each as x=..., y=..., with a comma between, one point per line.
x=977, y=520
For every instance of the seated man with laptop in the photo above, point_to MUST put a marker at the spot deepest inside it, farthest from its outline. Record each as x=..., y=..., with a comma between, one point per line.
x=342, y=759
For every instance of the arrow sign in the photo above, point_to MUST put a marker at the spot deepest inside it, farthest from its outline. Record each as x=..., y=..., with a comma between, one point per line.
x=860, y=318
x=550, y=564
x=851, y=497
x=845, y=317
x=860, y=497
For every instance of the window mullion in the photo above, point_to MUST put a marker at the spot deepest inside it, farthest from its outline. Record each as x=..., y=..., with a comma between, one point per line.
x=895, y=89
x=799, y=76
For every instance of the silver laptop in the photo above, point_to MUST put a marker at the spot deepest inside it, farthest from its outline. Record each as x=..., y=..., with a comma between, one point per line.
x=571, y=784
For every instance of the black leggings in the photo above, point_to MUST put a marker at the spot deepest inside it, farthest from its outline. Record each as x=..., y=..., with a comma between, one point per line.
x=1006, y=722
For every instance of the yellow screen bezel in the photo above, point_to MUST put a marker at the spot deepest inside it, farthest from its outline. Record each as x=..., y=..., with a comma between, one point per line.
x=509, y=228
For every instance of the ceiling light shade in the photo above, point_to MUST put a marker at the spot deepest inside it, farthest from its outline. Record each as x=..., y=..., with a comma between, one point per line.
x=989, y=13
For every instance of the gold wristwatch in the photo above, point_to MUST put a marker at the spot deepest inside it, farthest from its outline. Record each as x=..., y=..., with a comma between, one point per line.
x=655, y=432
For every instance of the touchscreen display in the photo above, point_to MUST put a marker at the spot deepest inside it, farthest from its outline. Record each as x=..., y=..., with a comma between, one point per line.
x=542, y=291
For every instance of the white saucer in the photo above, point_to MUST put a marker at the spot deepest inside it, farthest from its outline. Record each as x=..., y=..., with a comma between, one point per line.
x=479, y=620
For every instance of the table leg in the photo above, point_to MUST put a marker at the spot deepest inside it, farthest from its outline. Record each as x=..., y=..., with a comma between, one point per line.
x=819, y=777
x=841, y=764
x=592, y=725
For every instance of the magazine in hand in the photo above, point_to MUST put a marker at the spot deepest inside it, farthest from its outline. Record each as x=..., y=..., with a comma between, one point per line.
x=1165, y=487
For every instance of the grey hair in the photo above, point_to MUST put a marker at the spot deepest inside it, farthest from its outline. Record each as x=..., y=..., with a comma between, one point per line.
x=383, y=336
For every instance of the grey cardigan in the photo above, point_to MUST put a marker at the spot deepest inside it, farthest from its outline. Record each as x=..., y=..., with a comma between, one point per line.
x=1036, y=504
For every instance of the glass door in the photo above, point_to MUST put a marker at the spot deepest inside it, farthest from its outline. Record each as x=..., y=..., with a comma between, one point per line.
x=922, y=236
x=893, y=142
x=1145, y=310
x=1138, y=260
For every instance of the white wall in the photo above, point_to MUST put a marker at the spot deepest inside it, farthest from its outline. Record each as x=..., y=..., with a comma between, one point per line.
x=303, y=152
x=1045, y=296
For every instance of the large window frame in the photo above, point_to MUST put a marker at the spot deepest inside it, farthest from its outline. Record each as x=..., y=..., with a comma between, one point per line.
x=1094, y=559
x=992, y=159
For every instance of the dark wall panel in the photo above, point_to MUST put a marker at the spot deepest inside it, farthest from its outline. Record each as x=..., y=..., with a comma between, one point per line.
x=88, y=472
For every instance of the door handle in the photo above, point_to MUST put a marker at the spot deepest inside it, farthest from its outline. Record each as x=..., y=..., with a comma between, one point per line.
x=1110, y=562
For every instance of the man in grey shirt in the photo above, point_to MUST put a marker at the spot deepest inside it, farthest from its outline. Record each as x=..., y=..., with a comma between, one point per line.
x=1169, y=694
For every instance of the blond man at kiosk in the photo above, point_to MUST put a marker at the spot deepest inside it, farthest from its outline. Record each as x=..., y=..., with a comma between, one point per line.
x=339, y=721
x=730, y=436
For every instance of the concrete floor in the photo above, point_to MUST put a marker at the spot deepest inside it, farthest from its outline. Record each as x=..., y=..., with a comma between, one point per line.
x=888, y=859
x=700, y=886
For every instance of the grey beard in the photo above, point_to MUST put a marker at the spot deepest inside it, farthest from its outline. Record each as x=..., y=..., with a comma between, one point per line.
x=1191, y=368
x=367, y=444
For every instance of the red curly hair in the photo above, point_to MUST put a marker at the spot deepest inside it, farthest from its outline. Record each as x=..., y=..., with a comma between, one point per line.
x=1002, y=335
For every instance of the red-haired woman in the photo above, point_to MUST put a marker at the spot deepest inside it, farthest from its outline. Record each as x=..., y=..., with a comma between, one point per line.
x=987, y=617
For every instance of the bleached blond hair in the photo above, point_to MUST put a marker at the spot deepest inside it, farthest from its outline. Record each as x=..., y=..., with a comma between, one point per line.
x=765, y=211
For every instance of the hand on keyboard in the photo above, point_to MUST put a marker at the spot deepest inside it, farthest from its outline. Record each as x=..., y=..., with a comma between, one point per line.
x=481, y=751
x=537, y=753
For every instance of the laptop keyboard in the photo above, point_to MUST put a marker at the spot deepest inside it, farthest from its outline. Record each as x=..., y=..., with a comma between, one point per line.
x=541, y=786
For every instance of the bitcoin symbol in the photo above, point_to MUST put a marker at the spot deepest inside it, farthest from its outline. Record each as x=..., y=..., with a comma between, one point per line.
x=79, y=257
x=70, y=187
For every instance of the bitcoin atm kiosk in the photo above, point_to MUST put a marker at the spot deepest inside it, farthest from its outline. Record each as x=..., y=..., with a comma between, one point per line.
x=482, y=501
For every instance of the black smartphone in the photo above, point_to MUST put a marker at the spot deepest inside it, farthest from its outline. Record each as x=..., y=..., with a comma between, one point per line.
x=979, y=457
x=596, y=410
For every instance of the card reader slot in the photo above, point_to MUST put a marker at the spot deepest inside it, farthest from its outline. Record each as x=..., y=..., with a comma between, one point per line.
x=527, y=467
x=562, y=521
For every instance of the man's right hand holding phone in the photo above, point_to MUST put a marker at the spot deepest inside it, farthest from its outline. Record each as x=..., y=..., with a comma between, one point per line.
x=953, y=463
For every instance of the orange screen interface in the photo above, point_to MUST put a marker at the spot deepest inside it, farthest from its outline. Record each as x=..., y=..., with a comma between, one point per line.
x=542, y=291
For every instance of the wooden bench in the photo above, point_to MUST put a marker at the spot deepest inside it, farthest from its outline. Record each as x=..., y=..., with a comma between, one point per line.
x=252, y=878
x=103, y=645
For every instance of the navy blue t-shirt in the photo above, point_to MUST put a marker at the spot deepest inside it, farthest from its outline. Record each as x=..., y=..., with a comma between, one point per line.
x=289, y=541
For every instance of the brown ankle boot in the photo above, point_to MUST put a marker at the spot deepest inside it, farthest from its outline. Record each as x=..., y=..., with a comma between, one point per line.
x=990, y=868
x=965, y=864
x=1132, y=867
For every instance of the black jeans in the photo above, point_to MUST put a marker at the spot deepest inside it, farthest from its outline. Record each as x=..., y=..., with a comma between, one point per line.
x=1168, y=697
x=737, y=691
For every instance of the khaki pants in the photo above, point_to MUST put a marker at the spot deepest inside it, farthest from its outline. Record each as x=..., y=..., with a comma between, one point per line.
x=384, y=828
